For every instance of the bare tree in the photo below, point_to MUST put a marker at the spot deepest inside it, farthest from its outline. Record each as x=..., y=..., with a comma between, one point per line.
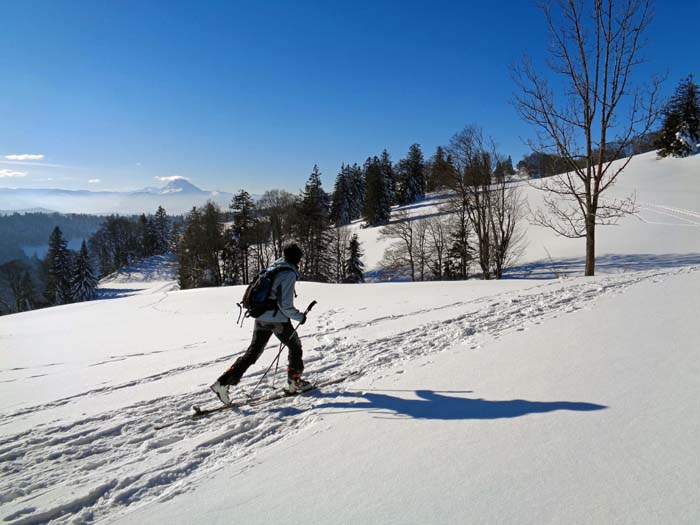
x=401, y=254
x=507, y=238
x=437, y=232
x=341, y=238
x=277, y=207
x=421, y=247
x=471, y=180
x=593, y=114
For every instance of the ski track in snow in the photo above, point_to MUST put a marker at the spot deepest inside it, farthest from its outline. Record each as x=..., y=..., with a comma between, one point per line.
x=687, y=217
x=101, y=466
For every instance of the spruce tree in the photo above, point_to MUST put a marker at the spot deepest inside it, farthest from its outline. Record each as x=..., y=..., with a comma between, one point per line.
x=438, y=171
x=162, y=231
x=389, y=177
x=200, y=248
x=84, y=284
x=313, y=229
x=244, y=219
x=354, y=266
x=356, y=183
x=377, y=209
x=59, y=269
x=411, y=176
x=680, y=133
x=188, y=251
x=341, y=207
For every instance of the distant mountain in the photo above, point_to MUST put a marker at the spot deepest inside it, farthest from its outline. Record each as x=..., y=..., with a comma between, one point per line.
x=178, y=196
x=25, y=211
x=181, y=186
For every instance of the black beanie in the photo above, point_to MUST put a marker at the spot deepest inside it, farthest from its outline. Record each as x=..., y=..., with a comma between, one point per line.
x=293, y=254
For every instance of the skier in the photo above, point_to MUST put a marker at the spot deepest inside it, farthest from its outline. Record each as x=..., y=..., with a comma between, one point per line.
x=274, y=321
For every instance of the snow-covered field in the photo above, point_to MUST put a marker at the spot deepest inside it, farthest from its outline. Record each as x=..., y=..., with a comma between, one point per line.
x=521, y=401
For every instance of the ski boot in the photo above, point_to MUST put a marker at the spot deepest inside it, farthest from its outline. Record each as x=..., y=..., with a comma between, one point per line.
x=221, y=392
x=297, y=385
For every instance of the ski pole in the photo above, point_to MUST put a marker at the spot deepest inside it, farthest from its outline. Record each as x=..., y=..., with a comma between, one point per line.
x=282, y=345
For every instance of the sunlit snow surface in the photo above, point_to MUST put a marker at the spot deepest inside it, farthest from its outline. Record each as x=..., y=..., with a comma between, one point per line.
x=521, y=401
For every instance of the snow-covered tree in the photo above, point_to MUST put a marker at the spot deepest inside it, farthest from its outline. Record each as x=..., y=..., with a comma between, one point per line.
x=84, y=284
x=680, y=133
x=354, y=267
x=59, y=269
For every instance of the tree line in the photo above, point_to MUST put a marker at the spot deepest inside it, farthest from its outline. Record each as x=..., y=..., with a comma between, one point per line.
x=220, y=248
x=66, y=276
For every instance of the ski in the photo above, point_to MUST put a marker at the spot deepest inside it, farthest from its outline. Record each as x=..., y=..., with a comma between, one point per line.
x=200, y=412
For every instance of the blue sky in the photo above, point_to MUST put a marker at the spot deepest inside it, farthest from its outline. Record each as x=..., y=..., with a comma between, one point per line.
x=125, y=94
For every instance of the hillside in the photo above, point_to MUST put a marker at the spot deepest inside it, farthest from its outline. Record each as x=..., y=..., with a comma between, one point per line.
x=526, y=400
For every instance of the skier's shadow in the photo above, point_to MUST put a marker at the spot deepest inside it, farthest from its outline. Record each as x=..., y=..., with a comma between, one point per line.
x=432, y=405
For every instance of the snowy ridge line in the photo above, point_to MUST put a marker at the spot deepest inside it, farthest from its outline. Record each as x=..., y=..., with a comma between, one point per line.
x=96, y=468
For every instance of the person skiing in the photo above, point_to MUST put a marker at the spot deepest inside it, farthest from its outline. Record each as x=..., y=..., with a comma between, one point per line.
x=273, y=321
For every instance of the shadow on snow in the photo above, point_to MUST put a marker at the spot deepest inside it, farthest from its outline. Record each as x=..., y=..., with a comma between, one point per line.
x=611, y=263
x=116, y=293
x=432, y=405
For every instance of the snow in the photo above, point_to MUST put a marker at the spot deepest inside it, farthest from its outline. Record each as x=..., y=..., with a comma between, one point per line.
x=533, y=400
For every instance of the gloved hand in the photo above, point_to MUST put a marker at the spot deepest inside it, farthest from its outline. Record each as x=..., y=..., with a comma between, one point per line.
x=303, y=319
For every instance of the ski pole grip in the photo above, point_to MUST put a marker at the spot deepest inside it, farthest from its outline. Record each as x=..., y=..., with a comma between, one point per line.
x=308, y=308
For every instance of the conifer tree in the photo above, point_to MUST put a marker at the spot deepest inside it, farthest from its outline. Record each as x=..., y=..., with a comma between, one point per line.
x=356, y=183
x=200, y=248
x=341, y=207
x=59, y=269
x=354, y=266
x=680, y=133
x=148, y=243
x=377, y=209
x=313, y=229
x=389, y=177
x=162, y=231
x=244, y=219
x=411, y=176
x=84, y=284
x=438, y=170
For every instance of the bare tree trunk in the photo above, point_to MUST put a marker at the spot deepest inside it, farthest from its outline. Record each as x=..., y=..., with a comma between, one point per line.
x=590, y=245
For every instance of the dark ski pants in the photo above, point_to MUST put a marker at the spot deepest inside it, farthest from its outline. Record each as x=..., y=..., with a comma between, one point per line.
x=261, y=335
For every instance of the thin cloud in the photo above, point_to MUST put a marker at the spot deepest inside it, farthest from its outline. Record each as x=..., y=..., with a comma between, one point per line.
x=170, y=179
x=94, y=181
x=10, y=174
x=25, y=156
x=40, y=164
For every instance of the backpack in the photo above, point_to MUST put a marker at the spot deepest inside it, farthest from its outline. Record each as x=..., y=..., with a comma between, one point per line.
x=256, y=299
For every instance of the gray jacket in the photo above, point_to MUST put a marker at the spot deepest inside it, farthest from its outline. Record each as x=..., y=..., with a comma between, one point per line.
x=283, y=293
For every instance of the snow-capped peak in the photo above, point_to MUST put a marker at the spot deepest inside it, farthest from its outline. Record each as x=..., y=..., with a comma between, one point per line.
x=180, y=186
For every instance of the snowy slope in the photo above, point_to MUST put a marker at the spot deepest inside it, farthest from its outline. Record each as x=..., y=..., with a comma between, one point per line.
x=520, y=401
x=666, y=225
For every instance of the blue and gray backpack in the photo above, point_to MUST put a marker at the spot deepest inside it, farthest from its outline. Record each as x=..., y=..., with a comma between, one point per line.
x=256, y=299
